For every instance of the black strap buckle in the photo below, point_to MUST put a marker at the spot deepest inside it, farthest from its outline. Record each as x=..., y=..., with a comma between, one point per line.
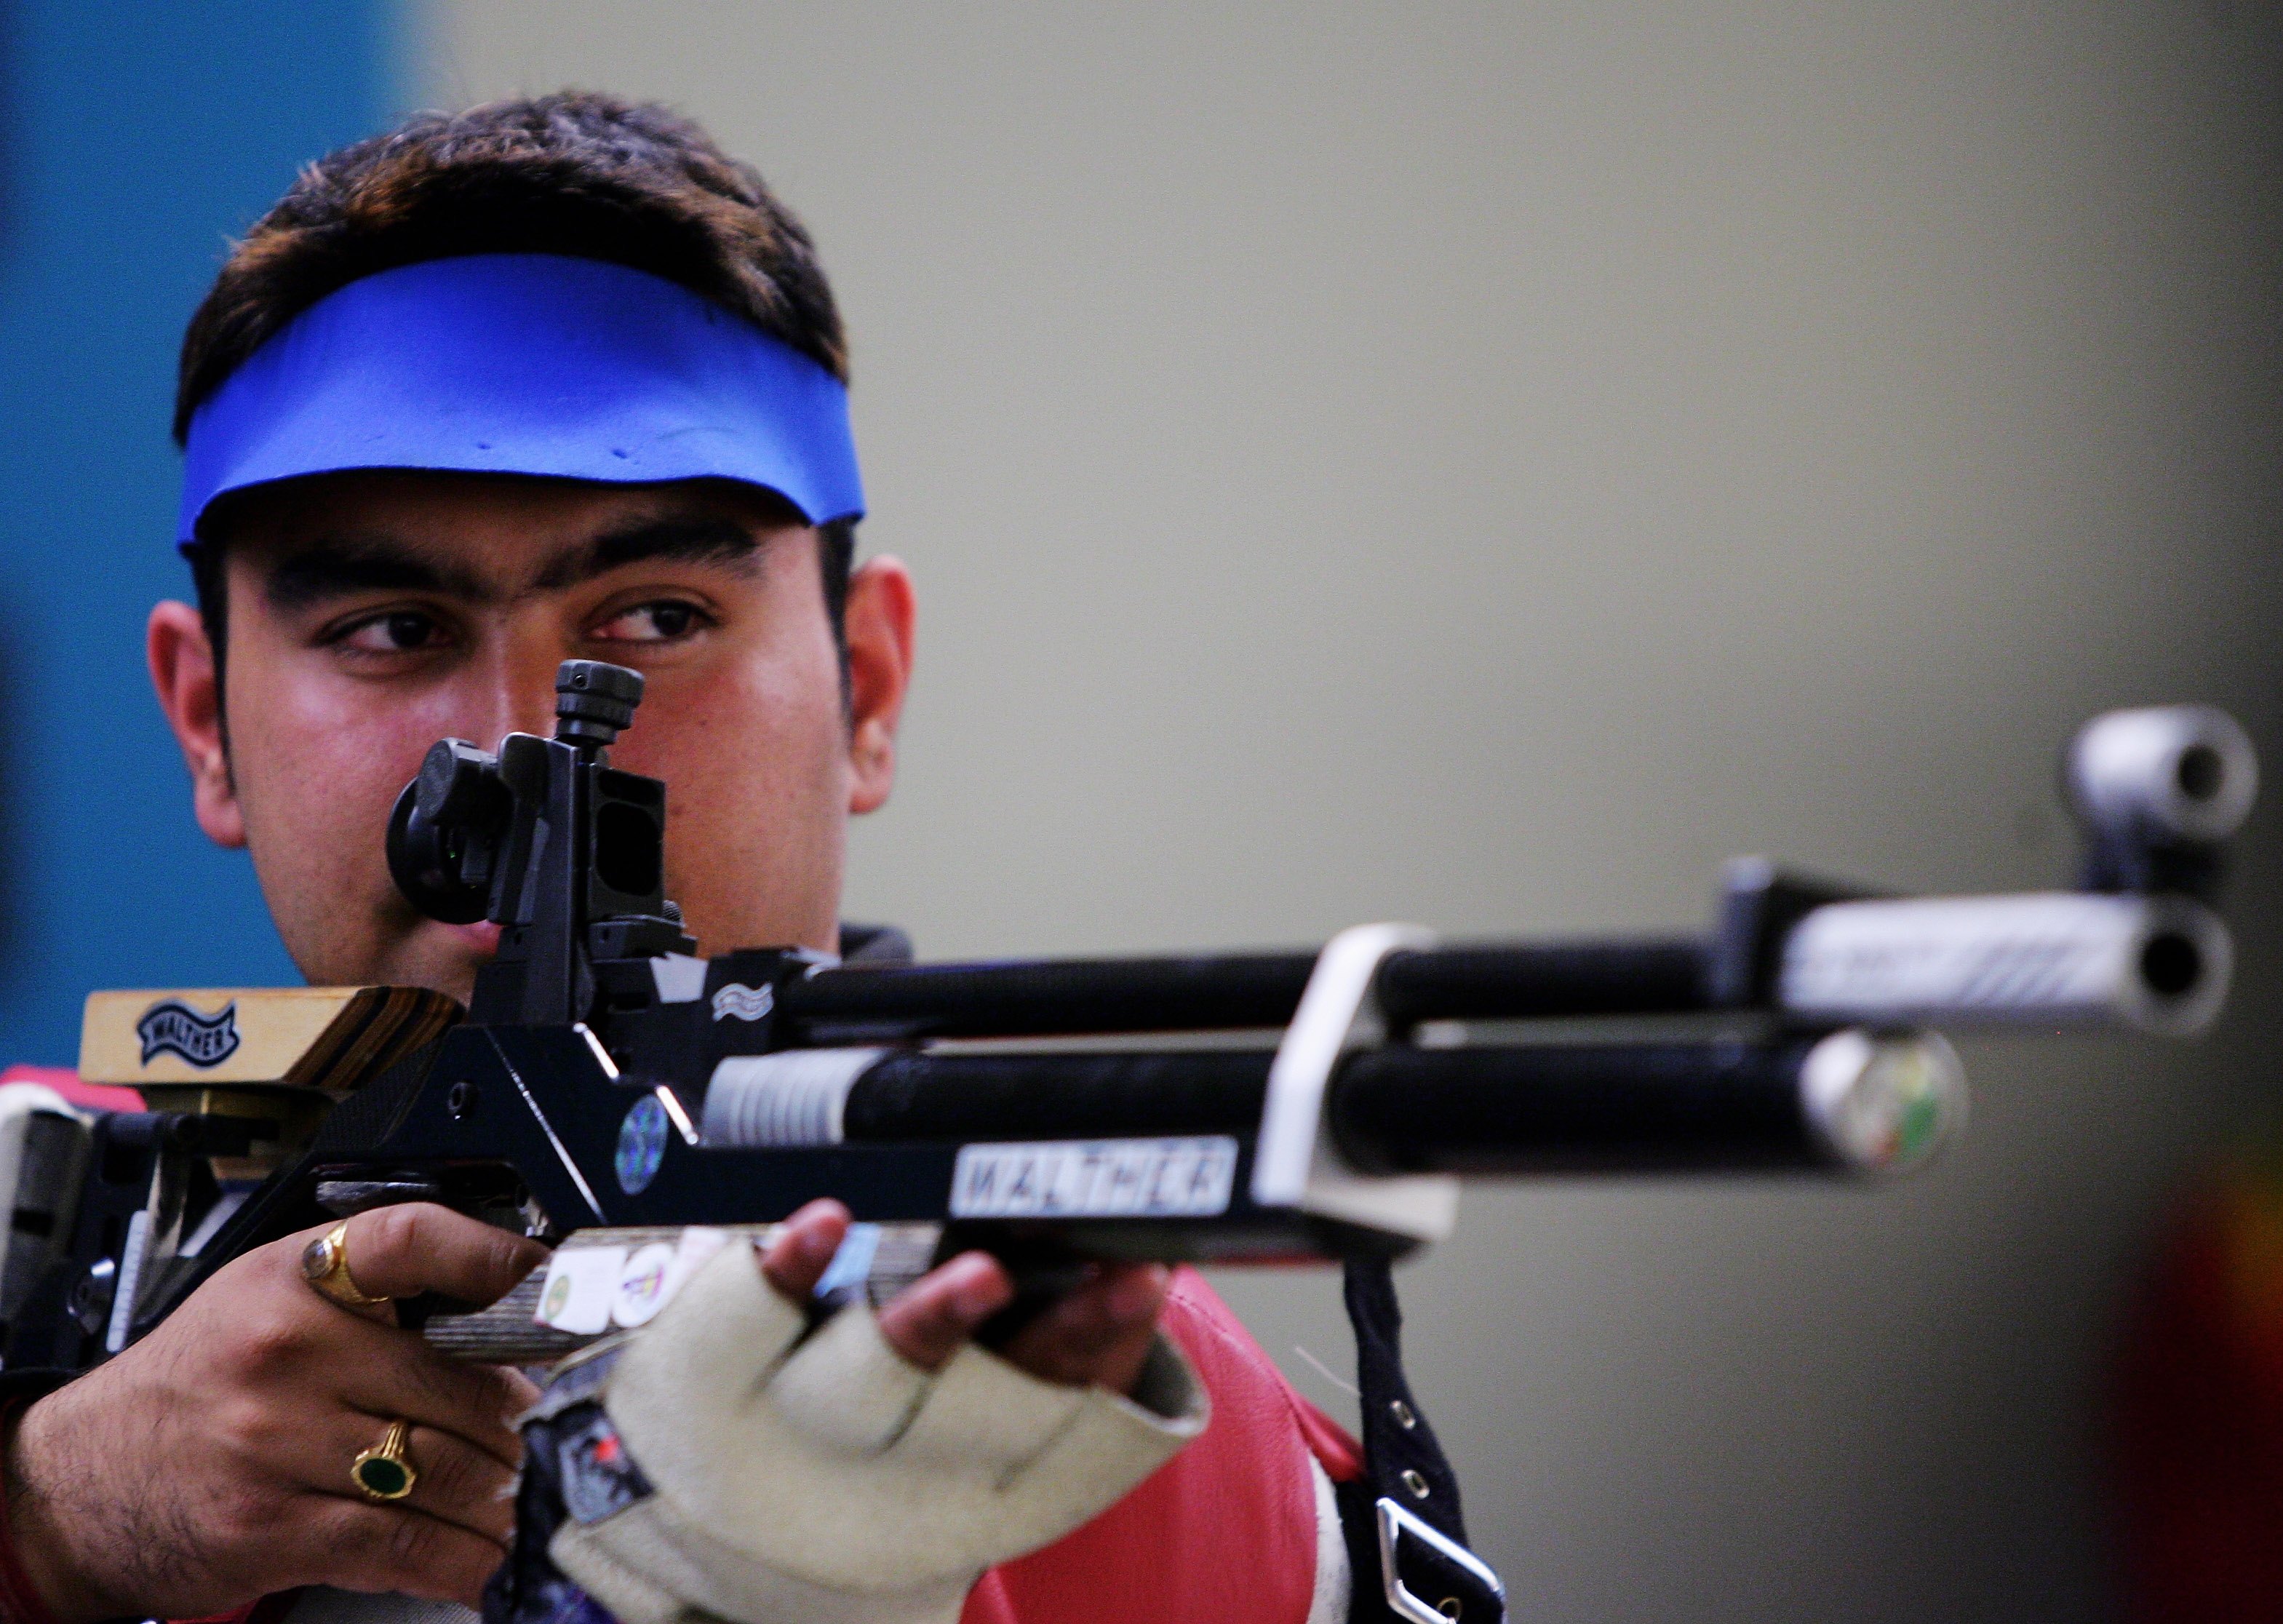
x=1394, y=1524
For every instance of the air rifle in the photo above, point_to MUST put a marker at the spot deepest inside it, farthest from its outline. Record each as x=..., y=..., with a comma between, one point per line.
x=610, y=1091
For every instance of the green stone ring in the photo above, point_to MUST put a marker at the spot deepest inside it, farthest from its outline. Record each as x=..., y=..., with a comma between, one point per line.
x=383, y=1474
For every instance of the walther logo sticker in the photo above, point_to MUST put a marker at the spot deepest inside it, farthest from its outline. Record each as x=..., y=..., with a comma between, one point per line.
x=171, y=1026
x=1099, y=1178
x=745, y=1003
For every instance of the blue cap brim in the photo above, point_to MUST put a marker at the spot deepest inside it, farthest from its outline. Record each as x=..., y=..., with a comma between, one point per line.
x=526, y=363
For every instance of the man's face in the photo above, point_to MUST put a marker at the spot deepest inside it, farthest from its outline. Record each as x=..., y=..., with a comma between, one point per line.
x=371, y=615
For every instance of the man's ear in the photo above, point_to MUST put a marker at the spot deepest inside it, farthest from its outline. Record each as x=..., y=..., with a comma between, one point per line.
x=182, y=670
x=882, y=611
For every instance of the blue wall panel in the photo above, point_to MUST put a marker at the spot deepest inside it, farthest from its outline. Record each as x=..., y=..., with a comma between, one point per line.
x=137, y=138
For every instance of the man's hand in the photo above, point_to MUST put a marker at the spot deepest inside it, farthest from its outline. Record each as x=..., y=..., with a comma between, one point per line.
x=819, y=1472
x=209, y=1464
x=1097, y=1335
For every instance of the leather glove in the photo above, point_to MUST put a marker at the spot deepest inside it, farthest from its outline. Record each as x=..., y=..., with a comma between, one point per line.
x=757, y=1476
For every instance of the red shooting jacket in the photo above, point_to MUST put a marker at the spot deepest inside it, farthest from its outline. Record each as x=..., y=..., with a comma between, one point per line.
x=1226, y=1531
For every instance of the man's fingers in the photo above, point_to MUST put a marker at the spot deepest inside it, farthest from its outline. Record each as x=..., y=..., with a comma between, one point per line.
x=801, y=1250
x=420, y=1246
x=1098, y=1335
x=406, y=1379
x=461, y=1484
x=929, y=1318
x=382, y=1548
x=452, y=1479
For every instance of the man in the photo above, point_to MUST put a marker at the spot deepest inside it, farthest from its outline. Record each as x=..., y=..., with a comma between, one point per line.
x=365, y=600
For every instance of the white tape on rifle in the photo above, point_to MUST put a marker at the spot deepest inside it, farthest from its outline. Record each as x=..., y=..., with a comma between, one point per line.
x=679, y=977
x=785, y=1100
x=20, y=1103
x=2044, y=958
x=43, y=1155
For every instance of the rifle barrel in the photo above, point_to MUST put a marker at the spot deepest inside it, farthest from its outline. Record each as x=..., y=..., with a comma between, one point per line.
x=1235, y=991
x=2035, y=959
x=1049, y=997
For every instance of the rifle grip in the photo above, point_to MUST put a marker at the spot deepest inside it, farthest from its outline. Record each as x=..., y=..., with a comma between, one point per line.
x=1038, y=1287
x=414, y=1313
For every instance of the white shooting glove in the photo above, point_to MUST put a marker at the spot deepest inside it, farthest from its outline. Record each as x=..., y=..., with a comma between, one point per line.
x=828, y=1480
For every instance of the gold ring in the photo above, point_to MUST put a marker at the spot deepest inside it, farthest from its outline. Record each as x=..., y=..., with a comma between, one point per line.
x=384, y=1474
x=325, y=1265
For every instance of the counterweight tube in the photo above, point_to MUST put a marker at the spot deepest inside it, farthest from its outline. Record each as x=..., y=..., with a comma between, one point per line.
x=1845, y=1102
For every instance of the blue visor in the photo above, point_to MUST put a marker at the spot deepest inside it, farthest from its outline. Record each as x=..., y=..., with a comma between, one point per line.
x=531, y=363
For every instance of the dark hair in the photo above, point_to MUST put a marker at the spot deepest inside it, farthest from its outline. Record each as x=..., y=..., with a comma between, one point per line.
x=576, y=173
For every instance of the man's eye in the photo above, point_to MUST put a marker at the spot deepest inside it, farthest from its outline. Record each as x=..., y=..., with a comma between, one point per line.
x=663, y=621
x=394, y=633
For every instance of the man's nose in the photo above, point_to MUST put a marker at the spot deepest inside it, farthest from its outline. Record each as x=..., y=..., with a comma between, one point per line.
x=516, y=686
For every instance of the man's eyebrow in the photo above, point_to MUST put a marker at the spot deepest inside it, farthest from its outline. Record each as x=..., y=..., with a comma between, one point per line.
x=695, y=539
x=339, y=567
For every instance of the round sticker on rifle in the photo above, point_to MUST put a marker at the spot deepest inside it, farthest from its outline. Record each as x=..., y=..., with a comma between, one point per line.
x=642, y=1144
x=642, y=1285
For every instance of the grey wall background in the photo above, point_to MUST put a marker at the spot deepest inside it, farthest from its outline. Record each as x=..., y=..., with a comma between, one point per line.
x=1484, y=464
